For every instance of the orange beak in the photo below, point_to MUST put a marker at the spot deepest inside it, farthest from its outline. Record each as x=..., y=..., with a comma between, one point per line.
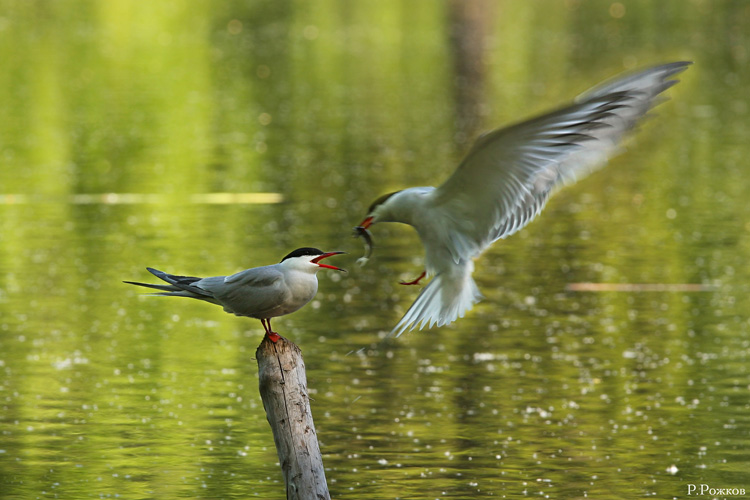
x=366, y=223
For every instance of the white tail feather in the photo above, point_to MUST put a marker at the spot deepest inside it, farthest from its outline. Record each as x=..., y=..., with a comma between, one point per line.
x=446, y=298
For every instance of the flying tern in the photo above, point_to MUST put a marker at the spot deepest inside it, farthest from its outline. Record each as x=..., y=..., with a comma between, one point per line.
x=504, y=182
x=261, y=292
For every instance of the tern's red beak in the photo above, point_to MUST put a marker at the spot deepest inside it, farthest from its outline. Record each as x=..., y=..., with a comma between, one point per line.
x=317, y=260
x=367, y=222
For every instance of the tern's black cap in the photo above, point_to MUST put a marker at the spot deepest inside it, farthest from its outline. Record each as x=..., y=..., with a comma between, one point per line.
x=301, y=252
x=380, y=201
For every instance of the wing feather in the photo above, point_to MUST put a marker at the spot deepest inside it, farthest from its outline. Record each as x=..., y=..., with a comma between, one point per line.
x=509, y=174
x=252, y=292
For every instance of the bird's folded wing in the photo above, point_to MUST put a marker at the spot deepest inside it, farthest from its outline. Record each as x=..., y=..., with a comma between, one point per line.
x=509, y=174
x=256, y=277
x=249, y=292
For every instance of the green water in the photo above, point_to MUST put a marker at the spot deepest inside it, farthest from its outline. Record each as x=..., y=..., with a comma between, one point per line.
x=540, y=391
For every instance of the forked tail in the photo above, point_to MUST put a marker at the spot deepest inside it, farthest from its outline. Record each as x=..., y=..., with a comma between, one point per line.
x=446, y=298
x=179, y=286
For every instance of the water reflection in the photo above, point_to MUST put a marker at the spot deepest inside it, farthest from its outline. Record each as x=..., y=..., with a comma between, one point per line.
x=541, y=390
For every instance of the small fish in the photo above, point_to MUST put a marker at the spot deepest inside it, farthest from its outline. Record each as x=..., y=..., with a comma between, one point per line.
x=364, y=233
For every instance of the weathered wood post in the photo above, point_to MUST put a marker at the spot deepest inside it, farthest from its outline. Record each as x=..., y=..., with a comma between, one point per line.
x=283, y=389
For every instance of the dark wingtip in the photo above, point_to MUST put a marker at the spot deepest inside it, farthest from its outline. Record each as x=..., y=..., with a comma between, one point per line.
x=676, y=67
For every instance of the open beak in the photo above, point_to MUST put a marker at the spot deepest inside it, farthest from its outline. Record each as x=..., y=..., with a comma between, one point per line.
x=366, y=223
x=317, y=260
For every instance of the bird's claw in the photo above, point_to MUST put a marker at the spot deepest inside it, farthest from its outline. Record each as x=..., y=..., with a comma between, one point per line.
x=273, y=337
x=414, y=281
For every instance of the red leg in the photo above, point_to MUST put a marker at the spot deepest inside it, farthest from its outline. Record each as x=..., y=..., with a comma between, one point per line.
x=416, y=281
x=273, y=336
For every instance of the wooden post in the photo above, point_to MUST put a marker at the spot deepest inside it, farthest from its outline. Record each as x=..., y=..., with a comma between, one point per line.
x=283, y=389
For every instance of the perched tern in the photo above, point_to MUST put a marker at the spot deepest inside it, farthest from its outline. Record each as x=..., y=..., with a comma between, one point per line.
x=504, y=182
x=261, y=292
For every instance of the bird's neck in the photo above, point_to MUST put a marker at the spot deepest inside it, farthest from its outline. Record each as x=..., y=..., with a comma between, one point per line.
x=406, y=206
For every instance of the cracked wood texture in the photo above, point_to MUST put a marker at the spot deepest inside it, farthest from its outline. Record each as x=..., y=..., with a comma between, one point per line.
x=283, y=389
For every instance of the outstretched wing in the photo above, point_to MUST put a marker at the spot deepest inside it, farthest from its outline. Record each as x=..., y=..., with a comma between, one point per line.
x=509, y=174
